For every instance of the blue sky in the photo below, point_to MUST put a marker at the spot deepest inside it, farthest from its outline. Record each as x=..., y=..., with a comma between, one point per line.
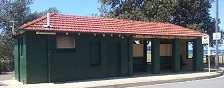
x=89, y=7
x=71, y=7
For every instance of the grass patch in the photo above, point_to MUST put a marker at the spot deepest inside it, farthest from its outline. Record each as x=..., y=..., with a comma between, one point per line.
x=148, y=57
x=221, y=59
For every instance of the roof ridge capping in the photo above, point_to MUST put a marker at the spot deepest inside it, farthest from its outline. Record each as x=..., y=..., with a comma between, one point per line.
x=35, y=21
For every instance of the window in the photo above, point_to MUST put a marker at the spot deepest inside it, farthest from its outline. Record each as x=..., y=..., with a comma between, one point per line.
x=189, y=46
x=149, y=51
x=65, y=42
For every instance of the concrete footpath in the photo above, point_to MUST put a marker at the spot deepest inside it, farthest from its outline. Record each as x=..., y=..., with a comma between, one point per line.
x=136, y=80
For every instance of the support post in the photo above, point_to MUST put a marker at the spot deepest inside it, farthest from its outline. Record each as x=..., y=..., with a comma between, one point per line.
x=209, y=62
x=216, y=41
x=155, y=56
x=176, y=55
x=130, y=59
x=197, y=55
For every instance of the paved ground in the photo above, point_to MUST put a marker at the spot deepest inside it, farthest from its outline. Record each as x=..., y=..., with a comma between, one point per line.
x=6, y=76
x=136, y=80
x=206, y=83
x=6, y=80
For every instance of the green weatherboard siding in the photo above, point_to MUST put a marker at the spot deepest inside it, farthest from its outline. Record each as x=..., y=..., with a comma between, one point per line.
x=16, y=56
x=111, y=59
x=22, y=59
x=78, y=63
x=36, y=58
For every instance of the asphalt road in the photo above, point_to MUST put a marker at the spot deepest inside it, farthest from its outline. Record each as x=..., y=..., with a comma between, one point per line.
x=206, y=83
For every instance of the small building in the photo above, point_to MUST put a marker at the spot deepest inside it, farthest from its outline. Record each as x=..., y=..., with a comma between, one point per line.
x=60, y=47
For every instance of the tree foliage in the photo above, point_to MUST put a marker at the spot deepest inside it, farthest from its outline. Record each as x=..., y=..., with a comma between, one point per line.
x=11, y=11
x=193, y=14
x=19, y=12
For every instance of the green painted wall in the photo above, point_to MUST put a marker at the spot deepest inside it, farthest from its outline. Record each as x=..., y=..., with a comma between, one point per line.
x=36, y=58
x=16, y=58
x=75, y=64
x=20, y=58
x=139, y=64
x=165, y=62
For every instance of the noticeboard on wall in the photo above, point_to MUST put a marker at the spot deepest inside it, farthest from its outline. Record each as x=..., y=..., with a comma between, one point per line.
x=165, y=50
x=138, y=50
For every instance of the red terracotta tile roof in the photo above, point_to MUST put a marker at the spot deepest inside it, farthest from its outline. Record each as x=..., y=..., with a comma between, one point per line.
x=79, y=24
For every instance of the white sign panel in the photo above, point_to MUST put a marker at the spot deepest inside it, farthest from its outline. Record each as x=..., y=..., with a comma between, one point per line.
x=216, y=36
x=205, y=39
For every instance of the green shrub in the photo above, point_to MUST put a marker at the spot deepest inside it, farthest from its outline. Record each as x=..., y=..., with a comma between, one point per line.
x=6, y=65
